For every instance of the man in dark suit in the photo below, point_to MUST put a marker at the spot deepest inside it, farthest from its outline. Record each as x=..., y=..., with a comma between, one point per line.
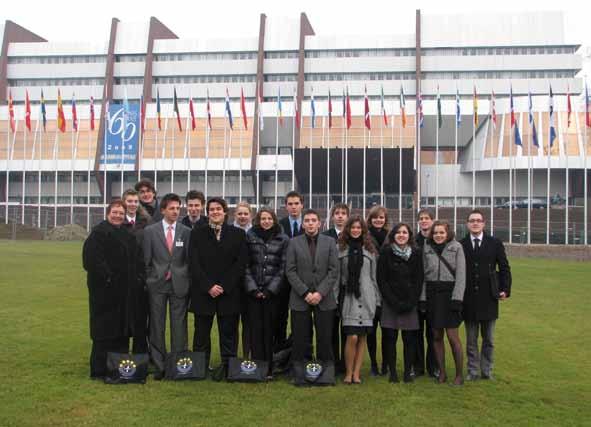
x=339, y=215
x=292, y=226
x=166, y=245
x=488, y=280
x=218, y=263
x=147, y=191
x=312, y=270
x=425, y=220
x=195, y=201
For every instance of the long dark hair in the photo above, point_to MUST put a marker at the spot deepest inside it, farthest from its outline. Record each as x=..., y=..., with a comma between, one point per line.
x=442, y=223
x=374, y=212
x=257, y=218
x=345, y=235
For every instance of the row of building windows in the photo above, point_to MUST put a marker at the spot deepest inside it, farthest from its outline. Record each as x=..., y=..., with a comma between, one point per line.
x=205, y=56
x=233, y=78
x=358, y=53
x=56, y=82
x=71, y=59
x=482, y=51
x=518, y=74
x=130, y=58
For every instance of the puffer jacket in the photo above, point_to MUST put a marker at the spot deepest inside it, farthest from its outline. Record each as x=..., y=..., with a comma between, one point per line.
x=266, y=262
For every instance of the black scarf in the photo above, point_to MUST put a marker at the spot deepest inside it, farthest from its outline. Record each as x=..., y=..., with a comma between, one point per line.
x=438, y=247
x=354, y=266
x=263, y=234
x=379, y=234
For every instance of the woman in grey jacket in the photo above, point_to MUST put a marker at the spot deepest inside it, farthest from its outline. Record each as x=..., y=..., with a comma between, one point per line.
x=443, y=292
x=357, y=292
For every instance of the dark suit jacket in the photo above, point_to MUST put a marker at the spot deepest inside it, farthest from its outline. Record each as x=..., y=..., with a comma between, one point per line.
x=201, y=221
x=158, y=259
x=312, y=275
x=284, y=222
x=222, y=262
x=331, y=232
x=487, y=274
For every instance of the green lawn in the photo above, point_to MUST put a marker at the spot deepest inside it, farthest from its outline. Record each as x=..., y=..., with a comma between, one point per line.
x=542, y=370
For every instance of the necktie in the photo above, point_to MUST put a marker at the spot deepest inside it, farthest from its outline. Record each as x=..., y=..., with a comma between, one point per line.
x=132, y=222
x=295, y=229
x=169, y=240
x=476, y=244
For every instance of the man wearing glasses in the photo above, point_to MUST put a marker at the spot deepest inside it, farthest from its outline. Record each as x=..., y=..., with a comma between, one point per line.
x=488, y=280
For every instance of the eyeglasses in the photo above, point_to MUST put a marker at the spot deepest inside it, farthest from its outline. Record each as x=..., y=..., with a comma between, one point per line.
x=475, y=221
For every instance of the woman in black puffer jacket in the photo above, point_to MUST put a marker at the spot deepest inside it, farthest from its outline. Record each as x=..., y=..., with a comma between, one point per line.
x=267, y=249
x=400, y=278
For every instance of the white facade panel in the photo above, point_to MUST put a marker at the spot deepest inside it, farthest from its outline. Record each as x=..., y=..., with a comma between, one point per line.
x=132, y=37
x=365, y=64
x=501, y=62
x=493, y=29
x=361, y=42
x=207, y=45
x=129, y=69
x=190, y=68
x=282, y=34
x=280, y=66
x=58, y=48
x=51, y=71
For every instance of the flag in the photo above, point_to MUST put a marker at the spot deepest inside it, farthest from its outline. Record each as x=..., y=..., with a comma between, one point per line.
x=348, y=108
x=92, y=113
x=551, y=109
x=11, y=112
x=243, y=109
x=402, y=108
x=458, y=112
x=421, y=115
x=43, y=111
x=313, y=111
x=74, y=114
x=142, y=113
x=228, y=110
x=587, y=117
x=475, y=113
x=439, y=117
x=208, y=111
x=383, y=107
x=366, y=111
x=27, y=111
x=158, y=109
x=261, y=119
x=192, y=113
x=329, y=110
x=297, y=111
x=61, y=119
x=493, y=109
x=513, y=121
x=568, y=107
x=532, y=123
x=175, y=104
x=279, y=108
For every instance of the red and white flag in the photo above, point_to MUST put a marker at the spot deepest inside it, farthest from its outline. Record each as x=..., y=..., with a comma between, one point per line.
x=11, y=112
x=192, y=113
x=243, y=109
x=91, y=113
x=27, y=111
x=366, y=111
x=208, y=111
x=569, y=107
x=74, y=114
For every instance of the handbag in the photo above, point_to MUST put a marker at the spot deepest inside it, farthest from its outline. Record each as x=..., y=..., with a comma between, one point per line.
x=313, y=373
x=124, y=368
x=245, y=370
x=185, y=365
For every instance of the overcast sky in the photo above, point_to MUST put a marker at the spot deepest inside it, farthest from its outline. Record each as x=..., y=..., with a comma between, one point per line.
x=80, y=20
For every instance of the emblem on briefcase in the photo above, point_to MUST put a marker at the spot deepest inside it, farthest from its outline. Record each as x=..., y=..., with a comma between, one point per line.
x=127, y=368
x=248, y=367
x=313, y=370
x=184, y=365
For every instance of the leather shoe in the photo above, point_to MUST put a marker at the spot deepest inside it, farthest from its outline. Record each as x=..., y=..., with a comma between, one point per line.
x=158, y=376
x=471, y=377
x=487, y=377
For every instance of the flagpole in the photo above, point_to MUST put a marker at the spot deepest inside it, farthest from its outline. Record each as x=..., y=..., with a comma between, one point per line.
x=172, y=157
x=163, y=152
x=328, y=175
x=344, y=119
x=566, y=187
x=400, y=173
x=548, y=174
x=585, y=197
x=141, y=140
x=364, y=169
x=55, y=153
x=529, y=183
x=382, y=162
x=39, y=170
x=260, y=119
x=437, y=171
x=493, y=164
x=187, y=151
x=276, y=160
x=310, y=156
x=73, y=166
x=123, y=146
x=346, y=164
x=240, y=167
x=293, y=143
x=24, y=172
x=224, y=160
x=456, y=163
x=105, y=115
x=511, y=183
x=73, y=135
x=207, y=136
x=9, y=157
x=474, y=116
x=418, y=118
x=88, y=180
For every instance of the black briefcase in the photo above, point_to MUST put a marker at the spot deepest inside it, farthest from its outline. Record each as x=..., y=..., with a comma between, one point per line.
x=250, y=371
x=313, y=373
x=185, y=365
x=124, y=368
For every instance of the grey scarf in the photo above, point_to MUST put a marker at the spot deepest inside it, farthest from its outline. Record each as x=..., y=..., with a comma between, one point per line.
x=402, y=253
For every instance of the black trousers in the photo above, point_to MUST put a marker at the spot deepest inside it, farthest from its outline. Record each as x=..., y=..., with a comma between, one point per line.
x=372, y=342
x=227, y=332
x=409, y=339
x=141, y=332
x=280, y=332
x=425, y=332
x=262, y=314
x=338, y=342
x=301, y=326
x=99, y=350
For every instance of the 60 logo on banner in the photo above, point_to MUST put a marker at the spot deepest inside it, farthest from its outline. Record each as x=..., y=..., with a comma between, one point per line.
x=122, y=124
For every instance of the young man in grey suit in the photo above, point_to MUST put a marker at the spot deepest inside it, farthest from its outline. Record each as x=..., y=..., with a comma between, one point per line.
x=312, y=270
x=166, y=246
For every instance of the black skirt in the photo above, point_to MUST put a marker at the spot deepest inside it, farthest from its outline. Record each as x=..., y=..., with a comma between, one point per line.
x=439, y=311
x=357, y=330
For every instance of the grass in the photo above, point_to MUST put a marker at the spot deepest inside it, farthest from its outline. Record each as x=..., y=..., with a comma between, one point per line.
x=542, y=370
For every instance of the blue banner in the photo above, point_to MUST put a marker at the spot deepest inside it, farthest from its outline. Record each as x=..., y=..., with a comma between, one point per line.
x=121, y=134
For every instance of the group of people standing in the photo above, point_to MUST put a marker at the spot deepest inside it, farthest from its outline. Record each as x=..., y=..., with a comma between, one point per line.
x=339, y=285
